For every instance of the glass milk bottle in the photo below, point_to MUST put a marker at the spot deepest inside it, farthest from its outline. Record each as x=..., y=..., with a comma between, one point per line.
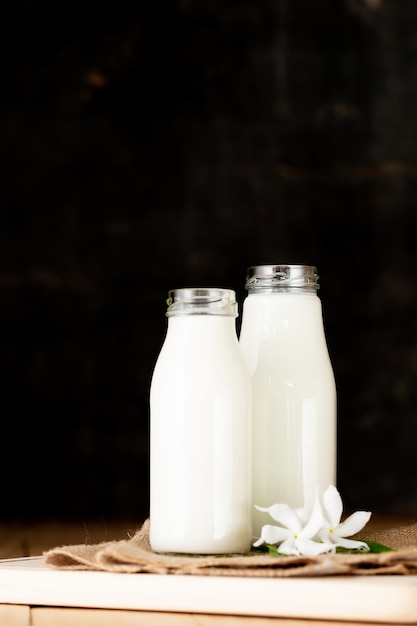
x=294, y=395
x=200, y=450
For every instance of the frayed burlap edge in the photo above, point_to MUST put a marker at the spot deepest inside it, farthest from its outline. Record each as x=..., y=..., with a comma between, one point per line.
x=134, y=555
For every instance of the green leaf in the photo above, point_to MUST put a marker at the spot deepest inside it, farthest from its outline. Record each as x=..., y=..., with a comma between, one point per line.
x=273, y=550
x=376, y=547
x=267, y=548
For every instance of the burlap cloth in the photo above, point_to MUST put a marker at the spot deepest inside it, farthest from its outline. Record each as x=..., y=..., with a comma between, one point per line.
x=134, y=555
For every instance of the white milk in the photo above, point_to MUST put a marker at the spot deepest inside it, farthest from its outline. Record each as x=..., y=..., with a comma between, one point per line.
x=294, y=395
x=200, y=400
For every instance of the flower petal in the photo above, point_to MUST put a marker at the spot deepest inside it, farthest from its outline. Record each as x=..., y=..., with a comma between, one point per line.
x=283, y=514
x=312, y=548
x=288, y=547
x=272, y=535
x=325, y=535
x=314, y=524
x=333, y=505
x=353, y=524
x=350, y=544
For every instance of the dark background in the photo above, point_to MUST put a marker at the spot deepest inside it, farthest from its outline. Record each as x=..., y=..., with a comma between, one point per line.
x=171, y=144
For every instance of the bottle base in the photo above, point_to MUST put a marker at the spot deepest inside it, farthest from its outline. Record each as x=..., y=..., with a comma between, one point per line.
x=201, y=547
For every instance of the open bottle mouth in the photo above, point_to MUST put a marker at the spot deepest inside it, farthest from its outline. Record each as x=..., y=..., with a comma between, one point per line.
x=282, y=278
x=202, y=301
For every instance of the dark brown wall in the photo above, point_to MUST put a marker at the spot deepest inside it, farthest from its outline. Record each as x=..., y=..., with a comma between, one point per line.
x=175, y=144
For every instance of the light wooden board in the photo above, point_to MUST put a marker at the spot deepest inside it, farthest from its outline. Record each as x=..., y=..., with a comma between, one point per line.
x=351, y=598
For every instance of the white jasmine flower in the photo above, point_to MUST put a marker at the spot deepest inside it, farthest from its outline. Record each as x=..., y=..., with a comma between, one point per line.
x=335, y=532
x=294, y=535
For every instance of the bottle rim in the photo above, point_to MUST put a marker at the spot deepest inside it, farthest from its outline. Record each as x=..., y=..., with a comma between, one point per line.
x=282, y=277
x=202, y=301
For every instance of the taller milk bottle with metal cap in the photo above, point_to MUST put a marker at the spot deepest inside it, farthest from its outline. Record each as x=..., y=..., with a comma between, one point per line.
x=294, y=395
x=200, y=402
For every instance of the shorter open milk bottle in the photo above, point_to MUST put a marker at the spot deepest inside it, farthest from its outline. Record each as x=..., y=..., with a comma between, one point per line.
x=200, y=450
x=294, y=396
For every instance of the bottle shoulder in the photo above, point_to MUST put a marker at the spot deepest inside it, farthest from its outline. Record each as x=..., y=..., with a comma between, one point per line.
x=195, y=340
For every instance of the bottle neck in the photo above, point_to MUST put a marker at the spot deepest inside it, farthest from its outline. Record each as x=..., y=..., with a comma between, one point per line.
x=201, y=333
x=196, y=324
x=282, y=311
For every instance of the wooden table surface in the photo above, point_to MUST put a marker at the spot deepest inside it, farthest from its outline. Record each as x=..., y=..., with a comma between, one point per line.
x=19, y=539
